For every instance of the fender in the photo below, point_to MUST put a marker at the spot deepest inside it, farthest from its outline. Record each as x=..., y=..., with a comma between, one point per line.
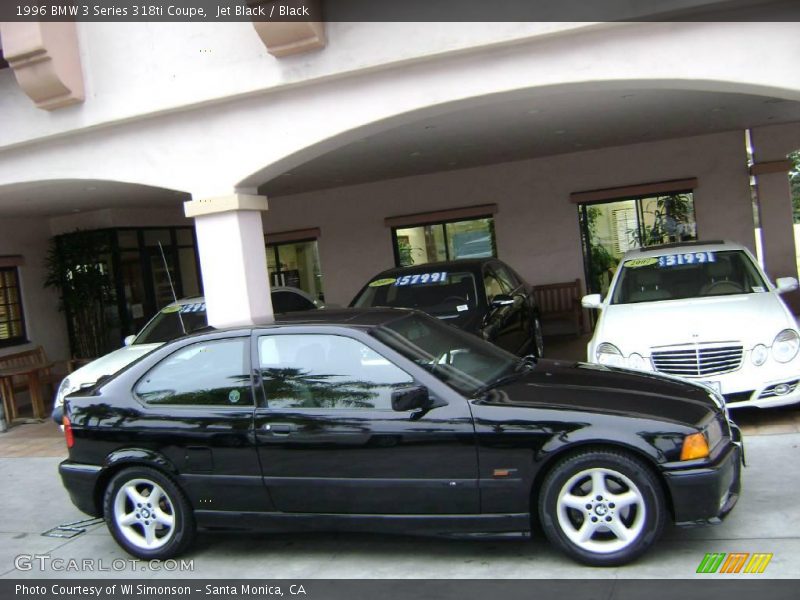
x=657, y=449
x=138, y=456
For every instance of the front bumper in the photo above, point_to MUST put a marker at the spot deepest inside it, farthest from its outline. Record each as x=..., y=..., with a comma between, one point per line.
x=707, y=494
x=81, y=482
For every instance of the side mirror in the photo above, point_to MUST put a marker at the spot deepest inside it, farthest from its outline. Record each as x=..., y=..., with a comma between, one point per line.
x=592, y=301
x=129, y=340
x=501, y=300
x=412, y=398
x=785, y=284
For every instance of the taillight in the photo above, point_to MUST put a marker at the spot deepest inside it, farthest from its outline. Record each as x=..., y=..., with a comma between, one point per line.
x=68, y=431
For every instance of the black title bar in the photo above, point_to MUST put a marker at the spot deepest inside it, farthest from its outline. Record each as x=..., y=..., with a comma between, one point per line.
x=399, y=10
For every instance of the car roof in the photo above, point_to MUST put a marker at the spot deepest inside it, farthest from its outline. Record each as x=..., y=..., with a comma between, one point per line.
x=274, y=288
x=464, y=264
x=362, y=318
x=699, y=246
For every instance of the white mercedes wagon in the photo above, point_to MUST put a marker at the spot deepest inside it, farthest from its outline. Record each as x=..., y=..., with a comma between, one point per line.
x=705, y=312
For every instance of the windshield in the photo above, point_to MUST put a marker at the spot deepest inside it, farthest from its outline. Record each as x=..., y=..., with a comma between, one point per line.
x=436, y=293
x=459, y=359
x=166, y=325
x=687, y=275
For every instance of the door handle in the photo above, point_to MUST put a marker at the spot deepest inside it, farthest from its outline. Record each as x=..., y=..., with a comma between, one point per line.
x=279, y=428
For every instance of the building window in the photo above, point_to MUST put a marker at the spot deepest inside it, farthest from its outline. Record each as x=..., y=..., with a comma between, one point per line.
x=447, y=240
x=12, y=319
x=612, y=228
x=132, y=260
x=293, y=261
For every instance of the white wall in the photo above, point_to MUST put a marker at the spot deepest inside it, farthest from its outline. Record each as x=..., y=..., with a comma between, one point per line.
x=537, y=225
x=158, y=125
x=133, y=69
x=45, y=325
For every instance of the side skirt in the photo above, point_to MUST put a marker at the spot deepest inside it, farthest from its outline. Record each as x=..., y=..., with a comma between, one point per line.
x=438, y=525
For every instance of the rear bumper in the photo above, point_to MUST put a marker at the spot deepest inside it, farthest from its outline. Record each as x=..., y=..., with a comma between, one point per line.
x=706, y=495
x=81, y=482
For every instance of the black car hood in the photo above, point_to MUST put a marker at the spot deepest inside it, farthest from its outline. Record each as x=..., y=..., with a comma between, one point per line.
x=595, y=388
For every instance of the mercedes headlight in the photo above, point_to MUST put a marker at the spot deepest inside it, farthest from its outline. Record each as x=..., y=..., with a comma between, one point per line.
x=785, y=345
x=608, y=354
x=759, y=355
x=637, y=361
x=66, y=388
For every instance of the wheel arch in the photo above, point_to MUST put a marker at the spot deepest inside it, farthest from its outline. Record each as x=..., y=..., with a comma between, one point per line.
x=125, y=458
x=558, y=454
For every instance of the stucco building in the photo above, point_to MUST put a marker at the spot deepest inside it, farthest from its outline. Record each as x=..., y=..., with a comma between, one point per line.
x=317, y=154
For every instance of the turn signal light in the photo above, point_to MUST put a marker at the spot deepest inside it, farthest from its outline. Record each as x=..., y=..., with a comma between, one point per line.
x=694, y=446
x=68, y=431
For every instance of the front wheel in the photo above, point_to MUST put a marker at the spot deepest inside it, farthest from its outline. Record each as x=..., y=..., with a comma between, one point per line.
x=147, y=514
x=602, y=507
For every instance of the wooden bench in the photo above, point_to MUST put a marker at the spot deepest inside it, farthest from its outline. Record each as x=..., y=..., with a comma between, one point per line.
x=46, y=373
x=561, y=302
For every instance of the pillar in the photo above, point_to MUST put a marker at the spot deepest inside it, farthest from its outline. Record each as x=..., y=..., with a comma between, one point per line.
x=233, y=261
x=771, y=145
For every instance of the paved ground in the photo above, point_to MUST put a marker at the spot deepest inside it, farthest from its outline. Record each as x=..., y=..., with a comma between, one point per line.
x=767, y=519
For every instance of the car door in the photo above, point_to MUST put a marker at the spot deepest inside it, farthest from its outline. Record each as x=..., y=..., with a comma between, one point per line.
x=503, y=325
x=330, y=442
x=199, y=415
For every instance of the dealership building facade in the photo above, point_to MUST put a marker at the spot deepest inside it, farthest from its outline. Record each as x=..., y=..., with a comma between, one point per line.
x=318, y=154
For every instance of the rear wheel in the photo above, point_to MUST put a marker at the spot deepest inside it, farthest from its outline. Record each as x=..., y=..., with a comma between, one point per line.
x=602, y=507
x=147, y=514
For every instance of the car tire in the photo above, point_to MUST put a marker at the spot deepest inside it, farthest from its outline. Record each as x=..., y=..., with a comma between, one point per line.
x=602, y=507
x=145, y=527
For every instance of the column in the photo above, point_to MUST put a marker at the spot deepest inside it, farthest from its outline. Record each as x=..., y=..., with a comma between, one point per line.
x=233, y=262
x=771, y=145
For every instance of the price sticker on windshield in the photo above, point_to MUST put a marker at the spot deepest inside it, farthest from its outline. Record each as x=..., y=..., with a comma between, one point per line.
x=690, y=258
x=421, y=278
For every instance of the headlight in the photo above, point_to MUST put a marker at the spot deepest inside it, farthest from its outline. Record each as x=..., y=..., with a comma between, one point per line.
x=637, y=361
x=65, y=389
x=608, y=354
x=759, y=355
x=785, y=346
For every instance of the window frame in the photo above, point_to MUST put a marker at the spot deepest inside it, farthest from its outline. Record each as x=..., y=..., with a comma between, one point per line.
x=255, y=397
x=23, y=338
x=443, y=224
x=263, y=399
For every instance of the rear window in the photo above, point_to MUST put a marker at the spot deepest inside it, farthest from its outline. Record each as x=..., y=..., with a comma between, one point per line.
x=434, y=292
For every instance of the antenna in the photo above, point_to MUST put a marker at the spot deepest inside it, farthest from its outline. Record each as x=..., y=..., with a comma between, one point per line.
x=171, y=286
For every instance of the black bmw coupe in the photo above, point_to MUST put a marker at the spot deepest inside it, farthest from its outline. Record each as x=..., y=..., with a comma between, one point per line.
x=389, y=420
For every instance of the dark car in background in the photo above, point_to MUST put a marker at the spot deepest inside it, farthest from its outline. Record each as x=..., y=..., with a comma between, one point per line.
x=388, y=420
x=482, y=296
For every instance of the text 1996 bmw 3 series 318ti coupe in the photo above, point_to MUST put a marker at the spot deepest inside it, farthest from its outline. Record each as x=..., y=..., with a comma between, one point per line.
x=389, y=420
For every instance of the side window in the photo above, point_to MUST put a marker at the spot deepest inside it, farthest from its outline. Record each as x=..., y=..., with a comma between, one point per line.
x=212, y=373
x=326, y=371
x=289, y=301
x=507, y=279
x=492, y=285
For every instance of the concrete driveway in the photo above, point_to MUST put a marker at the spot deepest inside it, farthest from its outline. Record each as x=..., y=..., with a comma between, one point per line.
x=766, y=520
